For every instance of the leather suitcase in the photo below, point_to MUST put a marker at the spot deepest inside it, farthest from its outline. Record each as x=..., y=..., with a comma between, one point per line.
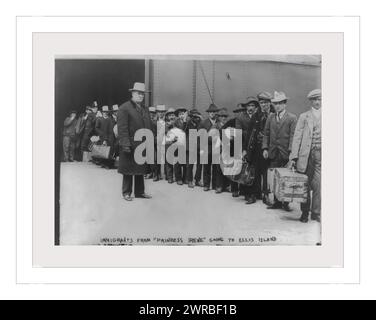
x=290, y=186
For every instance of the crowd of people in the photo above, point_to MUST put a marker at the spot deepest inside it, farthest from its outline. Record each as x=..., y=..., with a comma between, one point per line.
x=272, y=137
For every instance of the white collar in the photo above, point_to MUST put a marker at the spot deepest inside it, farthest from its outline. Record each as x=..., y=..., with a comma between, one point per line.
x=281, y=114
x=316, y=112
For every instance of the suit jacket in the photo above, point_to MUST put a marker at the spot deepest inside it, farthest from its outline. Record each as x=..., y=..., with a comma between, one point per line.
x=301, y=145
x=278, y=135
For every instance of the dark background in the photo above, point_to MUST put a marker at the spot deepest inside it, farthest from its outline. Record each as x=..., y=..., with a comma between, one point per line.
x=80, y=82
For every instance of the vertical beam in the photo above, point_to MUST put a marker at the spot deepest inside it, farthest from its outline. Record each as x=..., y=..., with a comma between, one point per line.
x=149, y=82
x=213, y=81
x=194, y=84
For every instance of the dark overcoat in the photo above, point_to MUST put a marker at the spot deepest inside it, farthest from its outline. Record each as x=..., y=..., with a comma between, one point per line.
x=131, y=118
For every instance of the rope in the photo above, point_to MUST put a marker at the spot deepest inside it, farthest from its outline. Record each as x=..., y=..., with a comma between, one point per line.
x=206, y=82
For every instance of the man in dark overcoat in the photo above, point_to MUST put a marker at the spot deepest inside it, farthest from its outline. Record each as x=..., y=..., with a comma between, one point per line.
x=132, y=116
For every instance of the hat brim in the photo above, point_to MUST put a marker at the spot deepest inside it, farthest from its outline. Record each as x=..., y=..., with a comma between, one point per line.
x=279, y=100
x=131, y=90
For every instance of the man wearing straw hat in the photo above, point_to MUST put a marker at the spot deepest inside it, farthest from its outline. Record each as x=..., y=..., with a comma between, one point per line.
x=278, y=135
x=132, y=116
x=306, y=154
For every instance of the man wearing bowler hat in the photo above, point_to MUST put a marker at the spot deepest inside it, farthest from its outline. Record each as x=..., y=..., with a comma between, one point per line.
x=209, y=124
x=132, y=116
x=278, y=135
x=306, y=154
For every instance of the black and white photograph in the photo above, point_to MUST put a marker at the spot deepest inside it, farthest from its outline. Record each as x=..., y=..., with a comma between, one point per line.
x=188, y=150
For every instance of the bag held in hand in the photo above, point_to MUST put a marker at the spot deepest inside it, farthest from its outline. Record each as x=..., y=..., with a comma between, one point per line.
x=289, y=186
x=246, y=175
x=100, y=151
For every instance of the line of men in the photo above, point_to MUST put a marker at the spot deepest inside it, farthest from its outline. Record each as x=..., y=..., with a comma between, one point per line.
x=278, y=139
x=78, y=133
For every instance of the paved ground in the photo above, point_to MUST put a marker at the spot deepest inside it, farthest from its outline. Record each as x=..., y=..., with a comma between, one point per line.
x=93, y=212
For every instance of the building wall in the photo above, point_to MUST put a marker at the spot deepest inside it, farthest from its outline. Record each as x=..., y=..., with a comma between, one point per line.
x=182, y=83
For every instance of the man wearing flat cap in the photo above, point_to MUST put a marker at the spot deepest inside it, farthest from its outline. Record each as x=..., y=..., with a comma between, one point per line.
x=132, y=116
x=306, y=154
x=209, y=124
x=278, y=135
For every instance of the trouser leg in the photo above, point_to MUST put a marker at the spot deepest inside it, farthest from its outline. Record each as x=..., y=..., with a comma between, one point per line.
x=139, y=185
x=178, y=172
x=189, y=172
x=127, y=184
x=169, y=171
x=66, y=142
x=314, y=183
x=217, y=177
x=72, y=148
x=207, y=173
x=198, y=172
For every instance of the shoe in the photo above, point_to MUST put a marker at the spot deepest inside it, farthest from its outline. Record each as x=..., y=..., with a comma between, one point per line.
x=199, y=184
x=144, y=196
x=206, y=188
x=179, y=182
x=304, y=217
x=127, y=197
x=156, y=178
x=190, y=184
x=170, y=181
x=265, y=199
x=286, y=207
x=251, y=199
x=315, y=217
x=235, y=194
x=148, y=176
x=185, y=181
x=276, y=205
x=218, y=190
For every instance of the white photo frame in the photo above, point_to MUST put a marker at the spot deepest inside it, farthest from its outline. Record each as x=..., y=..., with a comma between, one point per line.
x=41, y=262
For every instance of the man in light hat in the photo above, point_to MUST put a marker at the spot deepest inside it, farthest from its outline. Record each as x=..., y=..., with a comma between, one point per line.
x=69, y=135
x=306, y=154
x=132, y=116
x=278, y=136
x=208, y=124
